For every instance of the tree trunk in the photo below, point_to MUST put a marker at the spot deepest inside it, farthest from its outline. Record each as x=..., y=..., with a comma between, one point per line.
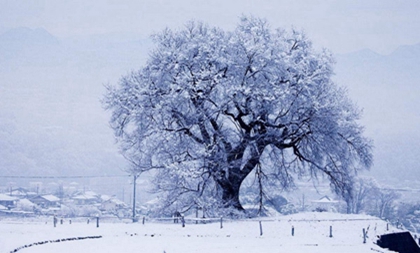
x=230, y=195
x=230, y=183
x=230, y=190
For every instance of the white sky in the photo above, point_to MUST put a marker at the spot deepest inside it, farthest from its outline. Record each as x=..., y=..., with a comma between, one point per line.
x=339, y=25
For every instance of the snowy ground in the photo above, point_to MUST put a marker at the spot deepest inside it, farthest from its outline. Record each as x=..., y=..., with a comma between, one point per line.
x=311, y=234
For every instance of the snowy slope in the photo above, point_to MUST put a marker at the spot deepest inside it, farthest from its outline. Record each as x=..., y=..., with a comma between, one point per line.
x=311, y=234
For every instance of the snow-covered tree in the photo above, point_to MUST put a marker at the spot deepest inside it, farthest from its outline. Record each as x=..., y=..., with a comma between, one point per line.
x=212, y=106
x=385, y=203
x=409, y=215
x=364, y=192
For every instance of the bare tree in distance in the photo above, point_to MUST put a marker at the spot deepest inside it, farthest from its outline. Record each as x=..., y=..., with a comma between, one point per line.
x=365, y=191
x=211, y=106
x=386, y=203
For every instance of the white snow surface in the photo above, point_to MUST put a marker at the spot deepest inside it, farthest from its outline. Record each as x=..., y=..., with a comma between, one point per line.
x=311, y=234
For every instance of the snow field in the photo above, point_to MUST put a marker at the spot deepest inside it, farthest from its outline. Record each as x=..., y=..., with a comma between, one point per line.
x=311, y=234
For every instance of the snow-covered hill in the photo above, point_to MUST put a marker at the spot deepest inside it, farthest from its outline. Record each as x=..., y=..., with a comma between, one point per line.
x=311, y=234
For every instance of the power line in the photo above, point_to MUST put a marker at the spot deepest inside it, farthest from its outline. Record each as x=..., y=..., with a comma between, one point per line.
x=62, y=177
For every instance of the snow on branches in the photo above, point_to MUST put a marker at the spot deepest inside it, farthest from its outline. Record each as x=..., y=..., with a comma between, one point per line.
x=211, y=106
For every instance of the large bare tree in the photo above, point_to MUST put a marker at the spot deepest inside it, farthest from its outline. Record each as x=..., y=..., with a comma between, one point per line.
x=212, y=106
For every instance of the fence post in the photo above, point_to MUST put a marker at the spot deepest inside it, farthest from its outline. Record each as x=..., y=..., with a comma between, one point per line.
x=176, y=217
x=144, y=220
x=70, y=221
x=55, y=221
x=221, y=222
x=97, y=221
x=387, y=226
x=293, y=231
x=261, y=230
x=183, y=221
x=364, y=235
x=196, y=215
x=331, y=231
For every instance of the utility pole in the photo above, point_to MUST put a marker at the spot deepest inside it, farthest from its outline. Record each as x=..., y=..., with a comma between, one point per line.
x=123, y=194
x=134, y=198
x=303, y=202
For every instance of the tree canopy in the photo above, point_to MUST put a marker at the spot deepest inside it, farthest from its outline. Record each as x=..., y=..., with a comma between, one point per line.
x=212, y=106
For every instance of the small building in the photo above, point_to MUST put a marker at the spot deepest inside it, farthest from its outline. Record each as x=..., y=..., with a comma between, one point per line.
x=25, y=205
x=7, y=201
x=18, y=192
x=3, y=208
x=325, y=204
x=113, y=204
x=46, y=201
x=83, y=199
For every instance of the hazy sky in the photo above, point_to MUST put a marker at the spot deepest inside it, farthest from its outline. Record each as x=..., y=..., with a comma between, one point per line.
x=387, y=88
x=339, y=25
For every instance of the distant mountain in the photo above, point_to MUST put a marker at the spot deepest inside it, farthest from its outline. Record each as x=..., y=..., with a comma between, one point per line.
x=51, y=118
x=400, y=66
x=359, y=57
x=25, y=44
x=24, y=35
x=387, y=87
x=411, y=52
x=406, y=59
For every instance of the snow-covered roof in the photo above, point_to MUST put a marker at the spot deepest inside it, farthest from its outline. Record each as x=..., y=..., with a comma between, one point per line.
x=105, y=197
x=91, y=193
x=82, y=196
x=152, y=202
x=51, y=198
x=3, y=207
x=5, y=197
x=117, y=201
x=19, y=191
x=325, y=199
x=26, y=202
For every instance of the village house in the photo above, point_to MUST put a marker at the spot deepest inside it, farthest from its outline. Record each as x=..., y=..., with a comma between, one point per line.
x=46, y=201
x=18, y=192
x=26, y=205
x=112, y=204
x=7, y=201
x=84, y=200
x=325, y=204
